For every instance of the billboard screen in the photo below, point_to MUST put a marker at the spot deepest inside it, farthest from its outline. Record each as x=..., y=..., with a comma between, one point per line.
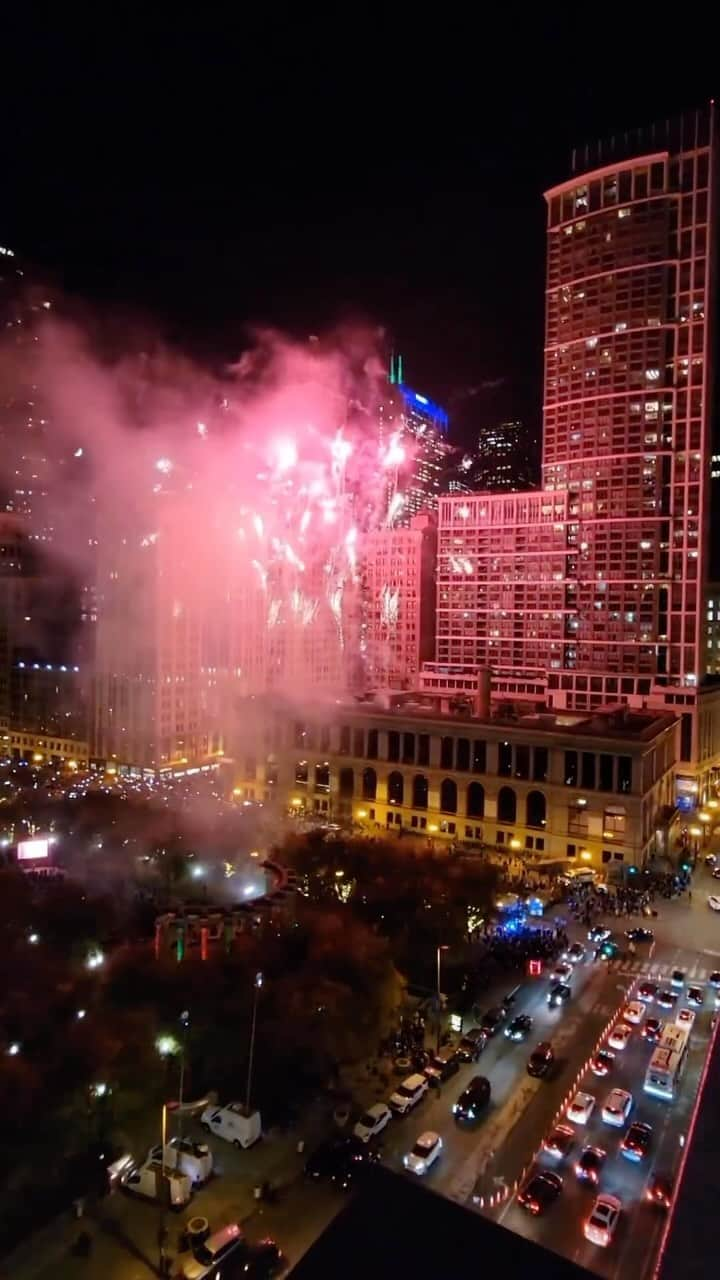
x=32, y=850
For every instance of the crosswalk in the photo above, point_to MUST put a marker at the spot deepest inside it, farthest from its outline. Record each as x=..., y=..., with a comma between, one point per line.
x=697, y=970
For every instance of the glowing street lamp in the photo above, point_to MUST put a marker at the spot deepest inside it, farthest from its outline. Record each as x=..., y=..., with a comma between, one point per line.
x=167, y=1046
x=257, y=987
x=95, y=959
x=13, y=1049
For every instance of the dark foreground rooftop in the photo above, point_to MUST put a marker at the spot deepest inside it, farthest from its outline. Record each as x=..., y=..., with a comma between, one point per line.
x=393, y=1227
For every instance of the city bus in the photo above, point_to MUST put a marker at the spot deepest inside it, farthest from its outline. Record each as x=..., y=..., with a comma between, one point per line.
x=665, y=1068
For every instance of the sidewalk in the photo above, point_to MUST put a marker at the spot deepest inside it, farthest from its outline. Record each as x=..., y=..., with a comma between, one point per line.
x=125, y=1230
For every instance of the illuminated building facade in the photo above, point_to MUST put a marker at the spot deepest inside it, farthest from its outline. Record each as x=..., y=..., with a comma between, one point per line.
x=628, y=441
x=596, y=790
x=397, y=568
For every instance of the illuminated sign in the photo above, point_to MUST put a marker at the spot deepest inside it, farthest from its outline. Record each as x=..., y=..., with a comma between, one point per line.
x=31, y=850
x=535, y=968
x=456, y=1022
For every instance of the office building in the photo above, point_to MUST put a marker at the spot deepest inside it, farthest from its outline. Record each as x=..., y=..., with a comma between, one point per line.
x=414, y=429
x=505, y=459
x=397, y=571
x=593, y=789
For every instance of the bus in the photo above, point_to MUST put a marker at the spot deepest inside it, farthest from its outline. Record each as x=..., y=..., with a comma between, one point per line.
x=665, y=1068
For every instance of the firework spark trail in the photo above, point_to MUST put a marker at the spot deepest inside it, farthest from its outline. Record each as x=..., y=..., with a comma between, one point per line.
x=389, y=606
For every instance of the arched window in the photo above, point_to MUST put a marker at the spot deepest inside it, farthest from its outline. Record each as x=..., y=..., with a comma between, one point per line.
x=448, y=796
x=395, y=788
x=506, y=805
x=346, y=783
x=475, y=800
x=419, y=791
x=535, y=809
x=369, y=784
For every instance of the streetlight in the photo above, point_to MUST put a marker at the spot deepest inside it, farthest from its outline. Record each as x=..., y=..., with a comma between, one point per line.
x=257, y=985
x=13, y=1049
x=440, y=949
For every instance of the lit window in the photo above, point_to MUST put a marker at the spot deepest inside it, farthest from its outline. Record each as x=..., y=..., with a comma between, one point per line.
x=652, y=375
x=624, y=213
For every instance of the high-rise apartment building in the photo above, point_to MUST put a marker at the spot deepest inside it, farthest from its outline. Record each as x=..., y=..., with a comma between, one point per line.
x=629, y=435
x=397, y=569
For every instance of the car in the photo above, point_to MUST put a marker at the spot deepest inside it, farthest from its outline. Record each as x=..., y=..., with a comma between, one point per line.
x=617, y=1107
x=685, y=1018
x=491, y=1020
x=601, y=1062
x=559, y=1141
x=541, y=1059
x=647, y=991
x=659, y=1189
x=519, y=1028
x=695, y=996
x=638, y=934
x=713, y=902
x=634, y=1012
x=714, y=979
x=424, y=1153
x=575, y=953
x=589, y=1164
x=716, y=873
x=218, y=1247
x=581, y=1108
x=709, y=859
x=620, y=1035
x=372, y=1122
x=539, y=1190
x=652, y=1030
x=442, y=1066
x=558, y=994
x=598, y=933
x=636, y=1142
x=262, y=1261
x=561, y=972
x=599, y=1228
x=193, y=1158
x=677, y=979
x=473, y=1099
x=408, y=1094
x=666, y=999
x=472, y=1044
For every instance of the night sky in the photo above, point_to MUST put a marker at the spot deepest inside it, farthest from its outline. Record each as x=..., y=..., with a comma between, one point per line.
x=212, y=178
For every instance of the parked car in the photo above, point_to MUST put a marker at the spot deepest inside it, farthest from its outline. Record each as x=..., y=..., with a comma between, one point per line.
x=442, y=1066
x=372, y=1122
x=216, y=1250
x=472, y=1044
x=409, y=1094
x=493, y=1018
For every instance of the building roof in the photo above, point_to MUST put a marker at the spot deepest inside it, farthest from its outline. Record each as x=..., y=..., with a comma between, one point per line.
x=393, y=1227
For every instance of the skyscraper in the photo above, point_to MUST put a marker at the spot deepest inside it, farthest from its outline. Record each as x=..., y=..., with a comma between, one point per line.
x=504, y=459
x=629, y=434
x=417, y=429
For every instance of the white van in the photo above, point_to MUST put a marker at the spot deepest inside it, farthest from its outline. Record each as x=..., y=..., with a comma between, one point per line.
x=232, y=1123
x=193, y=1158
x=151, y=1183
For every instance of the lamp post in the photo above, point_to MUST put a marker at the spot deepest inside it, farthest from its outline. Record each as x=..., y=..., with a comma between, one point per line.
x=440, y=950
x=257, y=985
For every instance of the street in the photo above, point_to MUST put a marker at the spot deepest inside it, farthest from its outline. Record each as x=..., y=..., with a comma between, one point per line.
x=476, y=1164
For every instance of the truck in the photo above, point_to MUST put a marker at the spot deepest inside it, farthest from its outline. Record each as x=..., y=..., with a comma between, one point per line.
x=152, y=1182
x=233, y=1123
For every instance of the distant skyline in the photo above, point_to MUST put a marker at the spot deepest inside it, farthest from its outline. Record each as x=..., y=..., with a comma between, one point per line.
x=212, y=182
